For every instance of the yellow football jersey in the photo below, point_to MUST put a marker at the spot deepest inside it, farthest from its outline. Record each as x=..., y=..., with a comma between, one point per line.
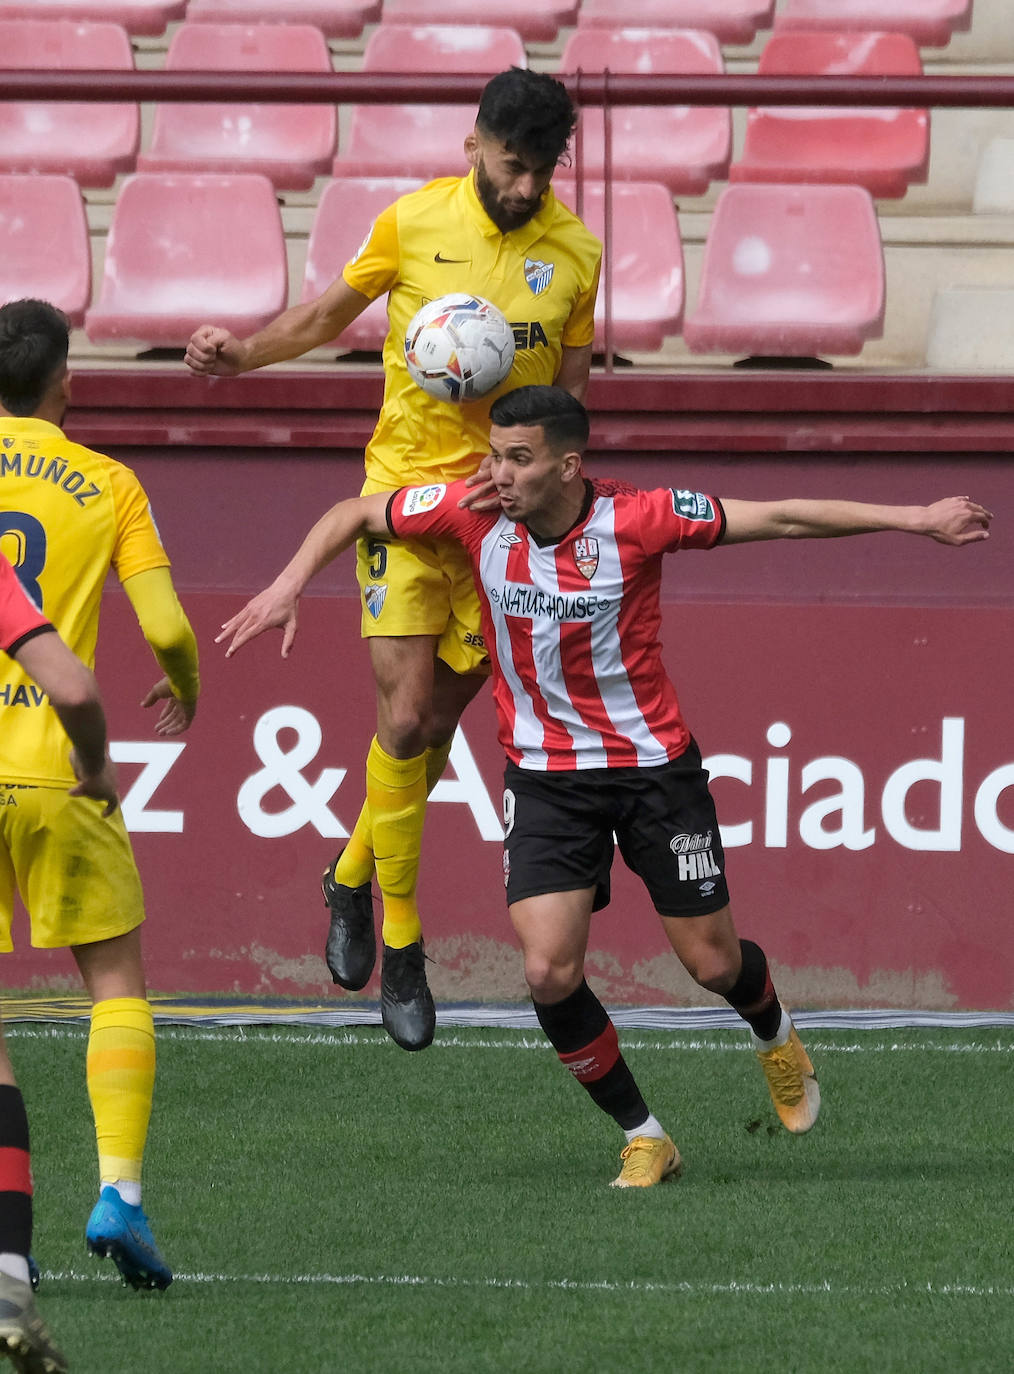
x=67, y=515
x=543, y=277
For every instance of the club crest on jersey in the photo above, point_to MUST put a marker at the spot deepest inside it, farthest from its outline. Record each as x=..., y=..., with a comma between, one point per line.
x=8, y=441
x=586, y=556
x=419, y=499
x=374, y=596
x=692, y=505
x=538, y=274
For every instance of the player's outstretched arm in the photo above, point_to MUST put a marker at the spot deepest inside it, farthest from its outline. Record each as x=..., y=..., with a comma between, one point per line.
x=955, y=520
x=214, y=352
x=277, y=606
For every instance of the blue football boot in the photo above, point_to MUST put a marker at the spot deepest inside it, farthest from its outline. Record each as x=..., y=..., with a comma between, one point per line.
x=120, y=1232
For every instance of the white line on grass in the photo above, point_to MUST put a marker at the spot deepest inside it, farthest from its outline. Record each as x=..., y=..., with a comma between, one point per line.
x=256, y=1036
x=680, y=1288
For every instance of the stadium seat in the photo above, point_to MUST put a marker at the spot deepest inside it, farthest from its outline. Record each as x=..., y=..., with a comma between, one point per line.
x=684, y=147
x=731, y=21
x=334, y=18
x=422, y=140
x=141, y=17
x=46, y=254
x=879, y=148
x=537, y=21
x=291, y=144
x=347, y=208
x=930, y=23
x=645, y=266
x=188, y=250
x=790, y=271
x=89, y=141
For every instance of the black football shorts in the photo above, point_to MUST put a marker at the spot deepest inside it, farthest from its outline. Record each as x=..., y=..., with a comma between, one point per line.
x=560, y=828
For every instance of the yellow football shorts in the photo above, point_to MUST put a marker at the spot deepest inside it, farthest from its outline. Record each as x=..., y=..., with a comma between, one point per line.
x=74, y=868
x=422, y=587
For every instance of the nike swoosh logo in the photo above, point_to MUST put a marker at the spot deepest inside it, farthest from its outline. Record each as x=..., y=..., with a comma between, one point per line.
x=437, y=257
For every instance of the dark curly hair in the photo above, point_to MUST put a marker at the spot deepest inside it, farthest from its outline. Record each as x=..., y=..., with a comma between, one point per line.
x=529, y=112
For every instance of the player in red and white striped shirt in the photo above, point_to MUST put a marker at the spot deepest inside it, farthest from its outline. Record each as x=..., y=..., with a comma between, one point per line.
x=568, y=572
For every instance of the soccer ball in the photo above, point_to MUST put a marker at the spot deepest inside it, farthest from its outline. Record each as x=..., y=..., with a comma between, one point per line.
x=459, y=347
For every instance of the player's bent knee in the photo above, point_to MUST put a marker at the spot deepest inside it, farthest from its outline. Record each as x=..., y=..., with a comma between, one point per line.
x=549, y=981
x=716, y=973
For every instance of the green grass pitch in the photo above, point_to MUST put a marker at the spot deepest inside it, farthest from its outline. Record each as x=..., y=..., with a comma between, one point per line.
x=330, y=1203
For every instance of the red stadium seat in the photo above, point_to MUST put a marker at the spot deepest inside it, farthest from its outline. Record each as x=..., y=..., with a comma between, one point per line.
x=537, y=21
x=46, y=254
x=422, y=140
x=731, y=21
x=291, y=144
x=686, y=147
x=347, y=208
x=790, y=271
x=188, y=250
x=879, y=148
x=146, y=17
x=644, y=272
x=929, y=23
x=91, y=142
x=334, y=18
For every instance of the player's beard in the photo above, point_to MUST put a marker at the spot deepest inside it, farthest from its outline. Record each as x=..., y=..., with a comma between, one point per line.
x=504, y=219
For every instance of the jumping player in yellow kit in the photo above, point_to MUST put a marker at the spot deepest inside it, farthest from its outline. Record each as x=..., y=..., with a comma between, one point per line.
x=68, y=514
x=498, y=232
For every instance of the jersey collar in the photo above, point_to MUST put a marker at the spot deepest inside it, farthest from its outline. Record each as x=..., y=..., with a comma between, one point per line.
x=522, y=238
x=29, y=424
x=582, y=516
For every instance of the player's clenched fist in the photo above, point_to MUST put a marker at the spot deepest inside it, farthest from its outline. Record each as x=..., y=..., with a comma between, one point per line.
x=214, y=352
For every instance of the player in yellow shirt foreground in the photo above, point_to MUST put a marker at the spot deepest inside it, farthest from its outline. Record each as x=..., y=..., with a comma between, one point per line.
x=498, y=232
x=67, y=515
x=27, y=636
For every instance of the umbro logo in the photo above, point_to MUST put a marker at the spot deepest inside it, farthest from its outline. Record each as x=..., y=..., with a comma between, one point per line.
x=439, y=257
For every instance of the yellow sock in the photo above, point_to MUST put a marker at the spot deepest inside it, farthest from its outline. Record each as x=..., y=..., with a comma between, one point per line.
x=120, y=1069
x=396, y=796
x=355, y=863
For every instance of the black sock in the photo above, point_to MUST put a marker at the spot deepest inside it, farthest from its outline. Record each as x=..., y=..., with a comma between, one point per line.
x=15, y=1174
x=585, y=1040
x=753, y=995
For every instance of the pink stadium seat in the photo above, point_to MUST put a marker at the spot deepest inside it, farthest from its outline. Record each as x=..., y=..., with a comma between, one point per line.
x=46, y=254
x=790, y=271
x=291, y=144
x=686, y=147
x=537, y=21
x=334, y=18
x=929, y=23
x=645, y=268
x=146, y=17
x=422, y=140
x=347, y=208
x=188, y=250
x=879, y=148
x=92, y=142
x=731, y=21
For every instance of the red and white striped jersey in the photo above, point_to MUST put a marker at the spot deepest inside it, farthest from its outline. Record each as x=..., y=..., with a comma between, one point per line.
x=572, y=625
